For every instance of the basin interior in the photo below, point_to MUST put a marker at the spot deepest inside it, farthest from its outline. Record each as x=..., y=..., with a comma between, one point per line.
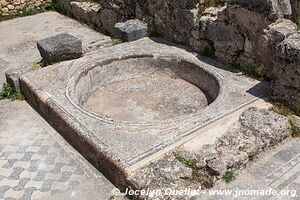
x=145, y=89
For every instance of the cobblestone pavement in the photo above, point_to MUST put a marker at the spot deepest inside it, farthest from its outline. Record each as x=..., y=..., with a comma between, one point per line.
x=277, y=169
x=36, y=162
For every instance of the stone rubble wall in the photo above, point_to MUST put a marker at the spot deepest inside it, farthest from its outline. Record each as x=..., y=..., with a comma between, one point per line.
x=14, y=7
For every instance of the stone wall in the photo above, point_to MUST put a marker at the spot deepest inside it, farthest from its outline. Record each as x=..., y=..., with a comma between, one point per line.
x=14, y=7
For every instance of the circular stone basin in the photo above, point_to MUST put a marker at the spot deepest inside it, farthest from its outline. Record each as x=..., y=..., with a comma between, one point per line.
x=144, y=89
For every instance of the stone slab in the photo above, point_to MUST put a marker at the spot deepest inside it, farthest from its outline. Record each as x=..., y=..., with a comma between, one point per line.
x=113, y=146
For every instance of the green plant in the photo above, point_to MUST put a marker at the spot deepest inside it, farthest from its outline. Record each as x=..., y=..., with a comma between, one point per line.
x=295, y=129
x=228, y=176
x=116, y=41
x=155, y=33
x=7, y=92
x=36, y=66
x=18, y=96
x=282, y=109
x=208, y=52
x=247, y=70
x=119, y=2
x=198, y=17
x=188, y=163
x=287, y=112
x=214, y=3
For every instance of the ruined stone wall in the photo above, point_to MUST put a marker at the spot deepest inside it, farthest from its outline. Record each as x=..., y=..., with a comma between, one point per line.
x=14, y=7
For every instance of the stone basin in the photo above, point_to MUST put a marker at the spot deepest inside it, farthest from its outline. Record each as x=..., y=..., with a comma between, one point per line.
x=123, y=106
x=143, y=90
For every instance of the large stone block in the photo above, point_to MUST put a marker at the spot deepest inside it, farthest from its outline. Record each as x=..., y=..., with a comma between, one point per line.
x=86, y=11
x=288, y=61
x=288, y=95
x=60, y=47
x=273, y=35
x=173, y=19
x=289, y=49
x=131, y=30
x=225, y=37
x=276, y=8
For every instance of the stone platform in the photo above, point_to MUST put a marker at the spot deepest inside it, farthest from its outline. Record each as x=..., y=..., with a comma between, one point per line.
x=117, y=146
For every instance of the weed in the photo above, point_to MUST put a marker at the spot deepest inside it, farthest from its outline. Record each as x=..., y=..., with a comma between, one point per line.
x=214, y=3
x=228, y=176
x=119, y=2
x=282, y=109
x=7, y=92
x=208, y=52
x=155, y=33
x=198, y=17
x=36, y=66
x=287, y=112
x=247, y=70
x=18, y=96
x=295, y=129
x=188, y=163
x=116, y=41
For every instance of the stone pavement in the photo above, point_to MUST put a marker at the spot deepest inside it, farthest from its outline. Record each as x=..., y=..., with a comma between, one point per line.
x=36, y=162
x=277, y=168
x=18, y=38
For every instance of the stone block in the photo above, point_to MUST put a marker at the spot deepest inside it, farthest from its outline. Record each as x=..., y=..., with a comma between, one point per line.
x=289, y=49
x=285, y=94
x=131, y=30
x=225, y=37
x=267, y=43
x=13, y=75
x=60, y=48
x=276, y=8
